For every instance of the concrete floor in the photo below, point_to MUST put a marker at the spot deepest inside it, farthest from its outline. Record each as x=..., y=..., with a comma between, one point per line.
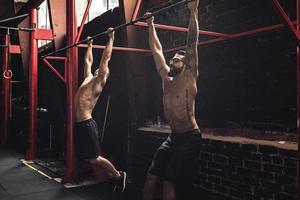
x=20, y=182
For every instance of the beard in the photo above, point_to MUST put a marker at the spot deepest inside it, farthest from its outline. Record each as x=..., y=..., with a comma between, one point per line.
x=174, y=71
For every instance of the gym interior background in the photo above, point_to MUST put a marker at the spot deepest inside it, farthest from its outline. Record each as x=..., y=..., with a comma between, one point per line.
x=246, y=104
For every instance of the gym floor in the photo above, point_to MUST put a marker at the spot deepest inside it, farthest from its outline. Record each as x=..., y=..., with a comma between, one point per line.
x=20, y=182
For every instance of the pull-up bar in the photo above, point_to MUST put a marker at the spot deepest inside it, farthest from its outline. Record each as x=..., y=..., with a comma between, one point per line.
x=120, y=26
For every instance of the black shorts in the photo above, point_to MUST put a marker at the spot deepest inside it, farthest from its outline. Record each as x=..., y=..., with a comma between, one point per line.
x=86, y=139
x=177, y=156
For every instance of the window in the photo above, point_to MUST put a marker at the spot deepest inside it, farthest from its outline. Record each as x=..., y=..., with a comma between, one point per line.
x=97, y=8
x=43, y=21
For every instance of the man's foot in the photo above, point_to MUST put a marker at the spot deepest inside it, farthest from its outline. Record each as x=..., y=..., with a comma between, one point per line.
x=120, y=182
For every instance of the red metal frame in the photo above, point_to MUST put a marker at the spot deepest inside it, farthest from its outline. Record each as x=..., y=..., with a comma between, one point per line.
x=71, y=70
x=6, y=87
x=222, y=35
x=72, y=65
x=287, y=21
x=136, y=10
x=43, y=34
x=234, y=36
x=63, y=78
x=14, y=49
x=33, y=90
x=128, y=49
x=182, y=29
x=298, y=94
x=172, y=28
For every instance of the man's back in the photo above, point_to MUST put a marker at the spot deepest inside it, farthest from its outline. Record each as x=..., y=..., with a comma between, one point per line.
x=89, y=91
x=85, y=99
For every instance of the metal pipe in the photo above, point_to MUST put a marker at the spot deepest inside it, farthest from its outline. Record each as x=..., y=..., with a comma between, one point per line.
x=172, y=28
x=33, y=90
x=56, y=58
x=17, y=29
x=287, y=21
x=298, y=94
x=105, y=120
x=181, y=29
x=86, y=13
x=71, y=75
x=6, y=92
x=119, y=27
x=13, y=18
x=136, y=10
x=128, y=49
x=233, y=36
x=54, y=70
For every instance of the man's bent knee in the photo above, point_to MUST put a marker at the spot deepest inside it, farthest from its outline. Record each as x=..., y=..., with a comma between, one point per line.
x=97, y=160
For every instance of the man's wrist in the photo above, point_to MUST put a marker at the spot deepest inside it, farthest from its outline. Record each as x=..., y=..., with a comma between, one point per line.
x=151, y=24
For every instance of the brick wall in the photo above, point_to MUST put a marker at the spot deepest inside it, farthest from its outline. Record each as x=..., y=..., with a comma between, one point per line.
x=248, y=171
x=230, y=169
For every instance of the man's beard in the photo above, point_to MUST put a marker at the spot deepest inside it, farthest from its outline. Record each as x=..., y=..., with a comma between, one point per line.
x=174, y=71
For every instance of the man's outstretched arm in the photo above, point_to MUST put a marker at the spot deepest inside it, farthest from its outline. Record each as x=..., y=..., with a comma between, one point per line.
x=192, y=38
x=88, y=60
x=103, y=70
x=156, y=48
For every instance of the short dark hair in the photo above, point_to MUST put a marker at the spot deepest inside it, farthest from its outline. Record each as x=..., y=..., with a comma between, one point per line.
x=181, y=52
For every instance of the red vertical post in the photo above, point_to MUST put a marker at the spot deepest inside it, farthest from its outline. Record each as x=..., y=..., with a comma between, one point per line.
x=298, y=94
x=6, y=98
x=33, y=84
x=72, y=64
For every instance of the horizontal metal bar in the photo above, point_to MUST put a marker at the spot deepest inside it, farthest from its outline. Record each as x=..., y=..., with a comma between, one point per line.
x=56, y=58
x=181, y=29
x=13, y=18
x=43, y=34
x=233, y=36
x=128, y=49
x=17, y=82
x=16, y=28
x=15, y=49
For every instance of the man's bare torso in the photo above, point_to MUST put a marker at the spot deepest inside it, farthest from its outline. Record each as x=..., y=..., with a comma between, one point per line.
x=179, y=101
x=85, y=99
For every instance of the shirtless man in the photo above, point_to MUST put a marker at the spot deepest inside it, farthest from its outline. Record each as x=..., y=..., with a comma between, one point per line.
x=179, y=80
x=86, y=135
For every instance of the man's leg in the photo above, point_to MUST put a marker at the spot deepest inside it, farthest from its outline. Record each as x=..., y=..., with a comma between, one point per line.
x=169, y=191
x=106, y=165
x=149, y=188
x=119, y=177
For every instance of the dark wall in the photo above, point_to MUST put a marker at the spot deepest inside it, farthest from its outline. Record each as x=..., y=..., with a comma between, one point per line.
x=244, y=82
x=6, y=9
